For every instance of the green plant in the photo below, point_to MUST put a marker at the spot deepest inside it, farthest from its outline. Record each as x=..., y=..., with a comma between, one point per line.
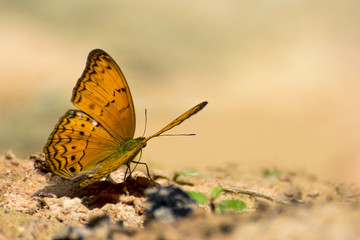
x=179, y=173
x=231, y=205
x=276, y=173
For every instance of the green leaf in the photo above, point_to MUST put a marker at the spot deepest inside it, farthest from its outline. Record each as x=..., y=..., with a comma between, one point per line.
x=189, y=172
x=277, y=173
x=216, y=192
x=230, y=205
x=198, y=197
x=266, y=173
x=272, y=173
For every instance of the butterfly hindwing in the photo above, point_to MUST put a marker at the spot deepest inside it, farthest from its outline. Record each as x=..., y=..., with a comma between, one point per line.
x=113, y=162
x=78, y=145
x=103, y=93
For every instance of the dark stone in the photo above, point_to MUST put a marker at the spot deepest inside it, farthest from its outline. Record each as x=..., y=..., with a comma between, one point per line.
x=168, y=203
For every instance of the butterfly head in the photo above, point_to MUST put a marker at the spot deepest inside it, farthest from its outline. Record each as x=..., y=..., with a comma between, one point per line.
x=141, y=141
x=132, y=144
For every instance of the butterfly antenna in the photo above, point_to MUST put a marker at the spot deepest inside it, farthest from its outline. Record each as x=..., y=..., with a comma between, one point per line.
x=145, y=122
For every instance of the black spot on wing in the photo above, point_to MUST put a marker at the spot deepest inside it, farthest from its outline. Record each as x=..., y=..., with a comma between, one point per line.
x=122, y=110
x=92, y=106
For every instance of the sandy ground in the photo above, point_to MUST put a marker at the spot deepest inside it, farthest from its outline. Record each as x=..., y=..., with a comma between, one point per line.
x=39, y=205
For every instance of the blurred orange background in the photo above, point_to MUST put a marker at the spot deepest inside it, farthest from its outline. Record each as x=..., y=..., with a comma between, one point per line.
x=281, y=77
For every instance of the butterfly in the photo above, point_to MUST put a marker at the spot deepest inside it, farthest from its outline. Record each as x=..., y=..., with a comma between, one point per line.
x=97, y=138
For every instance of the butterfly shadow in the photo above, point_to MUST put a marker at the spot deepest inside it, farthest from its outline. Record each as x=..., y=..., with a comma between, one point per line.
x=97, y=194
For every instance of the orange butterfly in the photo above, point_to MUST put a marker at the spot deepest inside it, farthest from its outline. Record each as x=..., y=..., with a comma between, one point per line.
x=98, y=138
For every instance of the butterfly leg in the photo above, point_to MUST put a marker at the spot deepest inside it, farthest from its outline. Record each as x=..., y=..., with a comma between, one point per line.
x=147, y=169
x=127, y=169
x=109, y=178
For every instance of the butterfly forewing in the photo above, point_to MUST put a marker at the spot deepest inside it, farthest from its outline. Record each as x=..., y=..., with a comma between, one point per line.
x=103, y=93
x=77, y=145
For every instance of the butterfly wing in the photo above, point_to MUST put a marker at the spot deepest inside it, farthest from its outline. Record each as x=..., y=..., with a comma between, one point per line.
x=78, y=145
x=85, y=139
x=103, y=93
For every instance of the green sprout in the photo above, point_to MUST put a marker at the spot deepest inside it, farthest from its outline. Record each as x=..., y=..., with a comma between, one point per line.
x=224, y=206
x=276, y=173
x=179, y=173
